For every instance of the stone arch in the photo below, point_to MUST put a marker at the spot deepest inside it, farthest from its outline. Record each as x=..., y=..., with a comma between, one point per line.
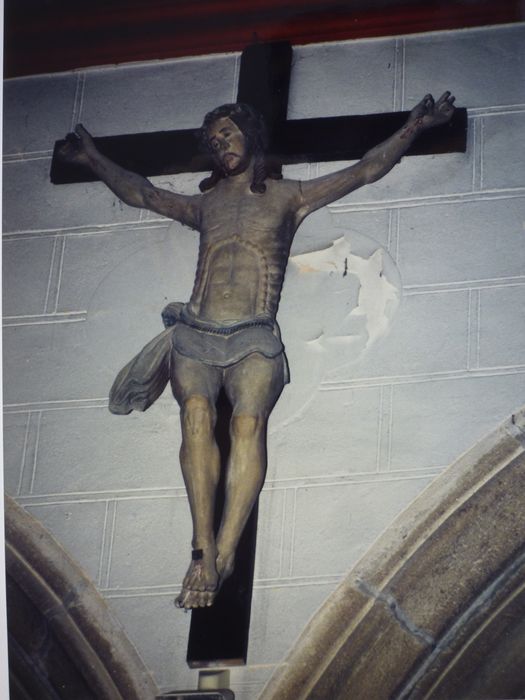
x=435, y=609
x=63, y=640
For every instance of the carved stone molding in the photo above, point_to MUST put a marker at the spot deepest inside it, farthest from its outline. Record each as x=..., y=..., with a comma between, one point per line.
x=436, y=608
x=63, y=640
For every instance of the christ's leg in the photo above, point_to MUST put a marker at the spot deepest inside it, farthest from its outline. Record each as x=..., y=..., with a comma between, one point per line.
x=196, y=386
x=252, y=386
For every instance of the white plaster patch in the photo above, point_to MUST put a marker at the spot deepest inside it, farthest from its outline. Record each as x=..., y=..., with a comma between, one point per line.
x=336, y=302
x=378, y=292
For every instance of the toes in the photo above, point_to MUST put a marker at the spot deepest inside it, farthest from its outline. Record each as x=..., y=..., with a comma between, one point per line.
x=202, y=600
x=184, y=600
x=194, y=600
x=188, y=600
x=198, y=588
x=180, y=600
x=199, y=599
x=205, y=599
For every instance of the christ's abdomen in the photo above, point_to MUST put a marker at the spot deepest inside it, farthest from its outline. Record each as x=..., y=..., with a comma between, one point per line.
x=232, y=282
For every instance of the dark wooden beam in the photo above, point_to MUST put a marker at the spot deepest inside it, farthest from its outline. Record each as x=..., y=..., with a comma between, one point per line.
x=264, y=81
x=149, y=154
x=322, y=139
x=219, y=634
x=325, y=139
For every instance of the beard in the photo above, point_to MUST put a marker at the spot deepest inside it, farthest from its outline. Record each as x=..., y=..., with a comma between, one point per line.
x=241, y=167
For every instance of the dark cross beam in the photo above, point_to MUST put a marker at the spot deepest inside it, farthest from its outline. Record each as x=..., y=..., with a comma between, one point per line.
x=219, y=635
x=264, y=82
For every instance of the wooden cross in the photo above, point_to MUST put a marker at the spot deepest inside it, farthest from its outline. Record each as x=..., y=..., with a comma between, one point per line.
x=219, y=635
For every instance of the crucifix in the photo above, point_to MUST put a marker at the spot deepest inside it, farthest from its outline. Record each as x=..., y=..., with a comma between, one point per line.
x=222, y=351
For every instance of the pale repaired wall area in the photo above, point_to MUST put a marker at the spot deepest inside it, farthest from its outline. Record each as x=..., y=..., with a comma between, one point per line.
x=359, y=432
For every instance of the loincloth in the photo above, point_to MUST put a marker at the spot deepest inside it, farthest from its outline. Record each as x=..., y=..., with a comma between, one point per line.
x=140, y=383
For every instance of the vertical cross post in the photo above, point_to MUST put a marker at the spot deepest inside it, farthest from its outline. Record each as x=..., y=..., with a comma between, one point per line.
x=219, y=635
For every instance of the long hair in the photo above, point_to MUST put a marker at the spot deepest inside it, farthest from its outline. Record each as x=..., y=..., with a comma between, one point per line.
x=253, y=128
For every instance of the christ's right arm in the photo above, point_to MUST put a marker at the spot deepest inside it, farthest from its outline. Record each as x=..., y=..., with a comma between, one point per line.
x=378, y=161
x=131, y=188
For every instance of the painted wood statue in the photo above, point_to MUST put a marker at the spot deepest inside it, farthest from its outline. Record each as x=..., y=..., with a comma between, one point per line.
x=226, y=336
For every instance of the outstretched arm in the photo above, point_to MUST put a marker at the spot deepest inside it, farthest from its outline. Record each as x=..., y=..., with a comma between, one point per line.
x=131, y=188
x=380, y=159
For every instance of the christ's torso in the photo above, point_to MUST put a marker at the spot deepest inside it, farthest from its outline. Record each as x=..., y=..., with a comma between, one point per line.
x=244, y=246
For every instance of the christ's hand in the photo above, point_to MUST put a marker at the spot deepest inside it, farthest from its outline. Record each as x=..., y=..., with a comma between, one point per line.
x=428, y=113
x=78, y=146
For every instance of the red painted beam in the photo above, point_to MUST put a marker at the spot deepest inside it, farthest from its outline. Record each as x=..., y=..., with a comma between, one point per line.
x=57, y=37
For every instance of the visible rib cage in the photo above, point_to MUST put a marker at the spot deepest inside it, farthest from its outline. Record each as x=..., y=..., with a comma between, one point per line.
x=207, y=260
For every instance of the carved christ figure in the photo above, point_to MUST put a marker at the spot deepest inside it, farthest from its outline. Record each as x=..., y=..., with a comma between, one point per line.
x=226, y=336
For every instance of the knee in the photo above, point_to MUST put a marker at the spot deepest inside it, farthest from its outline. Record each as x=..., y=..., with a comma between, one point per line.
x=247, y=427
x=198, y=417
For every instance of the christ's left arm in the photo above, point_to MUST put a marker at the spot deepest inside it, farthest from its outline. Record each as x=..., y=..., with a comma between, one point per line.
x=379, y=160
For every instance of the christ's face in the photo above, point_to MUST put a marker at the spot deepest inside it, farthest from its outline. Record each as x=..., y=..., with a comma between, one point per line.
x=228, y=145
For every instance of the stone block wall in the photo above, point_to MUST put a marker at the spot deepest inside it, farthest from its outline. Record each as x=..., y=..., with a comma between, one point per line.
x=362, y=428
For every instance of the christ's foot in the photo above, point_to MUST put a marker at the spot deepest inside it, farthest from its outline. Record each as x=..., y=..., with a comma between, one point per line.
x=225, y=566
x=201, y=583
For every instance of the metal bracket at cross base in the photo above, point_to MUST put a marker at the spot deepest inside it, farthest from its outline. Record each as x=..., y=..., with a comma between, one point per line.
x=213, y=685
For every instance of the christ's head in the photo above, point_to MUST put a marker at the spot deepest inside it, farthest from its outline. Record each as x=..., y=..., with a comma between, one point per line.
x=236, y=136
x=228, y=145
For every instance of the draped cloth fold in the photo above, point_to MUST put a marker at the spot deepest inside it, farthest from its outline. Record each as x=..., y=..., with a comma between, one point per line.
x=140, y=383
